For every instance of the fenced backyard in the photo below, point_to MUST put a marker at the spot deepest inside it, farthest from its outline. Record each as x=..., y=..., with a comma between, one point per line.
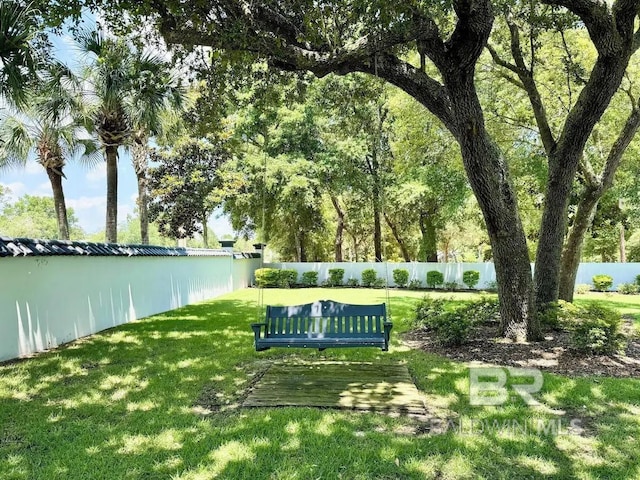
x=162, y=398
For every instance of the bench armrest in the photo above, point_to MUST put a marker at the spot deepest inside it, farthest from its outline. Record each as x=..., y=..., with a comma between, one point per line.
x=256, y=329
x=387, y=333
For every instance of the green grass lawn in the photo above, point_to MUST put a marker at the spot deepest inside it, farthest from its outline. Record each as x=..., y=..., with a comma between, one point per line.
x=158, y=399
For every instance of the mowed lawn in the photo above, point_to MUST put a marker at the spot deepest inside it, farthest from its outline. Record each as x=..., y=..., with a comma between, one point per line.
x=158, y=399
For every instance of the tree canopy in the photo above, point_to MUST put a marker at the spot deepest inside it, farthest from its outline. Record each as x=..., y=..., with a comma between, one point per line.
x=441, y=55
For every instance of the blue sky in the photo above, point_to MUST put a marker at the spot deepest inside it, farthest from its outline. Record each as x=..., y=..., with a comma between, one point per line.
x=85, y=188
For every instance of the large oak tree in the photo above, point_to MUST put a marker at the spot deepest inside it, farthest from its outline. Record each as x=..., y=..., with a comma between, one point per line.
x=374, y=37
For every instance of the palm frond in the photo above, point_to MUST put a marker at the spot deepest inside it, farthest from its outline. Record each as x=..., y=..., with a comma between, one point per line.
x=17, y=29
x=88, y=153
x=90, y=42
x=17, y=141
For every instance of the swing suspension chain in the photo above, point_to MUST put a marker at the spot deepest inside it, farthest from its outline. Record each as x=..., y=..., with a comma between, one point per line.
x=260, y=307
x=382, y=207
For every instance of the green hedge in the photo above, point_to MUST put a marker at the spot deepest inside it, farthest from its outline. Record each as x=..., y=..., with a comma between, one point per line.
x=336, y=277
x=471, y=278
x=273, y=277
x=401, y=277
x=310, y=279
x=602, y=283
x=434, y=279
x=369, y=277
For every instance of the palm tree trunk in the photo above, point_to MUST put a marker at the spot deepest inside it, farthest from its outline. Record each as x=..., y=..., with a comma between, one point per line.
x=58, y=199
x=111, y=227
x=143, y=209
x=140, y=166
x=205, y=229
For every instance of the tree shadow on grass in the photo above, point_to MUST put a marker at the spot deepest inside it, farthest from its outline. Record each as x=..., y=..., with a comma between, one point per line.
x=121, y=405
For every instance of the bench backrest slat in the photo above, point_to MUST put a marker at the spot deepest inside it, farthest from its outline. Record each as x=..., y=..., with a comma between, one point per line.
x=326, y=318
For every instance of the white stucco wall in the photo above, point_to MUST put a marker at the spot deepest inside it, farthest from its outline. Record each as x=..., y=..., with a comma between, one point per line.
x=47, y=301
x=621, y=272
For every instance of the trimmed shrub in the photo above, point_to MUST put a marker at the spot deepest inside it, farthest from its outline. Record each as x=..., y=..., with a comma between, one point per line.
x=628, y=288
x=369, y=277
x=401, y=277
x=582, y=288
x=287, y=278
x=415, y=284
x=267, y=277
x=379, y=283
x=310, y=279
x=598, y=330
x=434, y=279
x=447, y=327
x=452, y=328
x=451, y=286
x=602, y=283
x=558, y=315
x=426, y=309
x=484, y=310
x=471, y=278
x=353, y=282
x=336, y=277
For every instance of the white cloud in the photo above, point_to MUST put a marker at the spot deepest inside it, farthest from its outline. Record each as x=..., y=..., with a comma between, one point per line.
x=17, y=189
x=33, y=168
x=42, y=190
x=90, y=212
x=124, y=209
x=98, y=173
x=87, y=203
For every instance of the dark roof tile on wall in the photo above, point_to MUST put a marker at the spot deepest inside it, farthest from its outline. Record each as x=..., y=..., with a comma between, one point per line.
x=28, y=247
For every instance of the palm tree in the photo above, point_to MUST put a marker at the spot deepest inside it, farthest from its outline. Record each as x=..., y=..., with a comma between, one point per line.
x=158, y=93
x=109, y=113
x=45, y=126
x=130, y=90
x=17, y=57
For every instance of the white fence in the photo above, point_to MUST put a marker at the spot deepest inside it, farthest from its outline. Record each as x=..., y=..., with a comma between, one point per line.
x=46, y=301
x=621, y=272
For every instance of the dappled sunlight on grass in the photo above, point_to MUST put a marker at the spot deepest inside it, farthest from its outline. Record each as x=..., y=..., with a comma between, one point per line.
x=166, y=440
x=158, y=398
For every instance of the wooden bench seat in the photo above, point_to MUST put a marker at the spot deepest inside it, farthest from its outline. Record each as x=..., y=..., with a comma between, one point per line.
x=323, y=324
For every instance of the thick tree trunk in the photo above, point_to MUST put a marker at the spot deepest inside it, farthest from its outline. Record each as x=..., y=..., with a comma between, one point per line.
x=552, y=231
x=140, y=166
x=489, y=178
x=428, y=243
x=339, y=238
x=396, y=235
x=58, y=200
x=111, y=227
x=605, y=80
x=595, y=189
x=508, y=242
x=573, y=248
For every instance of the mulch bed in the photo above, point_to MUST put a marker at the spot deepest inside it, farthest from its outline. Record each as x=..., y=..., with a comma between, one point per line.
x=553, y=354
